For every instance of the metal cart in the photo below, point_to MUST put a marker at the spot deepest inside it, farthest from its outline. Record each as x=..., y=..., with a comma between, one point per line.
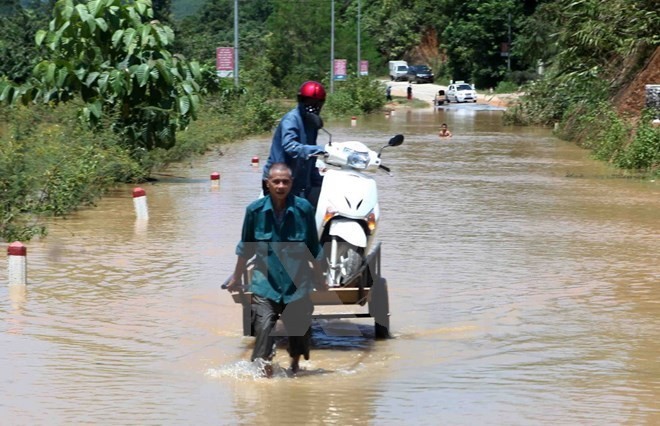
x=366, y=287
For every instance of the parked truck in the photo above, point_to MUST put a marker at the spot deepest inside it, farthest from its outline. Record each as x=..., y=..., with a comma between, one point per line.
x=398, y=70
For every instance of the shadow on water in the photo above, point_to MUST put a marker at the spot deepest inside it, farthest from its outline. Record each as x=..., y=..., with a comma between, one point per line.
x=342, y=335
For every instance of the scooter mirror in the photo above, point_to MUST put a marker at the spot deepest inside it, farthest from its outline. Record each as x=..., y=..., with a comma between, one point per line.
x=396, y=140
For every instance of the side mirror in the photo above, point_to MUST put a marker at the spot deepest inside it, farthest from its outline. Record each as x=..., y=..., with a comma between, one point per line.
x=396, y=140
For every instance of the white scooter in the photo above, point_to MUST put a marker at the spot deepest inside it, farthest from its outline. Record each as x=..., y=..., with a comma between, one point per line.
x=347, y=212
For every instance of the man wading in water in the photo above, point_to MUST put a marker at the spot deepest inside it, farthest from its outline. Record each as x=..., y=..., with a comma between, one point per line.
x=280, y=232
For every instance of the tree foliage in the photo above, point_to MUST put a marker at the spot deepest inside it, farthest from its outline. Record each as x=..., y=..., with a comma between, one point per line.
x=50, y=165
x=474, y=37
x=393, y=26
x=18, y=52
x=598, y=34
x=116, y=59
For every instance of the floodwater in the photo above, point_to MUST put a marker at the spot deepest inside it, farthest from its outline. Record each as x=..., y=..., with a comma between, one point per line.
x=524, y=289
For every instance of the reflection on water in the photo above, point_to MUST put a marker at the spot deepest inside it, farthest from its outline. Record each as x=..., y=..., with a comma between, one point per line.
x=523, y=288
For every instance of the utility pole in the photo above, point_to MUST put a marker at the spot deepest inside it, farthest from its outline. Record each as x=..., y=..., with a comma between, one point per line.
x=236, y=43
x=358, y=39
x=508, y=56
x=332, y=47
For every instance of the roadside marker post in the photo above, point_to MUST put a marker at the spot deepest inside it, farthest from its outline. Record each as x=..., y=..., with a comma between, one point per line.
x=17, y=264
x=215, y=180
x=140, y=203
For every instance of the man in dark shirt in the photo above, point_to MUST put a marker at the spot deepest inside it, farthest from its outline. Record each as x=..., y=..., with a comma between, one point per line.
x=279, y=231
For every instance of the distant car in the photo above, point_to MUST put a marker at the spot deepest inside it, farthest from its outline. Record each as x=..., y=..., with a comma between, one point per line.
x=419, y=74
x=460, y=92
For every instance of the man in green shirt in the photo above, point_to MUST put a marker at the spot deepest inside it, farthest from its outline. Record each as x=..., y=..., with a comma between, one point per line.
x=279, y=231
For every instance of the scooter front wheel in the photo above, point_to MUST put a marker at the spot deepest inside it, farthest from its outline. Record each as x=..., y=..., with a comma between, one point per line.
x=344, y=262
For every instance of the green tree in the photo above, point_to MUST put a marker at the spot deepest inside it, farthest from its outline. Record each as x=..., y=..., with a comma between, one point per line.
x=116, y=59
x=393, y=25
x=474, y=36
x=536, y=40
x=602, y=33
x=213, y=26
x=163, y=11
x=299, y=43
x=8, y=7
x=18, y=53
x=210, y=27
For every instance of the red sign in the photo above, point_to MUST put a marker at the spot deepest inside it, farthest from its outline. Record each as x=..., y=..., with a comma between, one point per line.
x=504, y=49
x=364, y=67
x=340, y=69
x=224, y=61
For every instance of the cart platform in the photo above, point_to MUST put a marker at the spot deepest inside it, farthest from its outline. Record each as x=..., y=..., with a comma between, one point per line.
x=367, y=286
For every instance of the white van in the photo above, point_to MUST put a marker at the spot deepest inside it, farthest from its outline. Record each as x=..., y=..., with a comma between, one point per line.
x=398, y=70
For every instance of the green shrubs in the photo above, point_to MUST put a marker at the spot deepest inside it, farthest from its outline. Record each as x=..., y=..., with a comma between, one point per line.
x=227, y=116
x=643, y=152
x=506, y=87
x=51, y=165
x=585, y=115
x=628, y=145
x=357, y=95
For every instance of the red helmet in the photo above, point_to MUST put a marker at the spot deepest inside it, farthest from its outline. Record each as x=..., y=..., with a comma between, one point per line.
x=312, y=90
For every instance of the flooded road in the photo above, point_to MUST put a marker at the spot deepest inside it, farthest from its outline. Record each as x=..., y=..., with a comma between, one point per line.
x=524, y=288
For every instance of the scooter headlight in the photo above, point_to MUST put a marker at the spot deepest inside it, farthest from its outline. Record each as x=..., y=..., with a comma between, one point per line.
x=358, y=160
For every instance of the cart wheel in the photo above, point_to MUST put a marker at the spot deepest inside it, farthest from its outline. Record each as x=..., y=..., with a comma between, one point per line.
x=379, y=308
x=381, y=332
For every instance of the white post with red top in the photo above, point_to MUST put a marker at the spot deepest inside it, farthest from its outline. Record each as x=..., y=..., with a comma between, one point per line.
x=17, y=264
x=215, y=180
x=140, y=203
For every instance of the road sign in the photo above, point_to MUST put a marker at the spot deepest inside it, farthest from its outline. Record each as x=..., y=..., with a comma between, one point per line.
x=364, y=67
x=340, y=69
x=224, y=61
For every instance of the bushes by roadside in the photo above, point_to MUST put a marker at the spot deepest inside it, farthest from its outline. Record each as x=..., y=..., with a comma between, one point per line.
x=625, y=144
x=357, y=95
x=50, y=165
x=226, y=116
x=584, y=114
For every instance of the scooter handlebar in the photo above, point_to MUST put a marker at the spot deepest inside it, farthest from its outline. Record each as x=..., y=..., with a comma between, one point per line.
x=387, y=169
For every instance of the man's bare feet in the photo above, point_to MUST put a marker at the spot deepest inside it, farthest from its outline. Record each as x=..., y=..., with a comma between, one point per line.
x=268, y=370
x=295, y=364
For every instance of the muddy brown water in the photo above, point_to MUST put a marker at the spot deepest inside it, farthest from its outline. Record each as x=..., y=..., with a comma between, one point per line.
x=524, y=288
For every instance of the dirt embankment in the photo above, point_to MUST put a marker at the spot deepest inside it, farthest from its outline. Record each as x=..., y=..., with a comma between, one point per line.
x=501, y=100
x=631, y=99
